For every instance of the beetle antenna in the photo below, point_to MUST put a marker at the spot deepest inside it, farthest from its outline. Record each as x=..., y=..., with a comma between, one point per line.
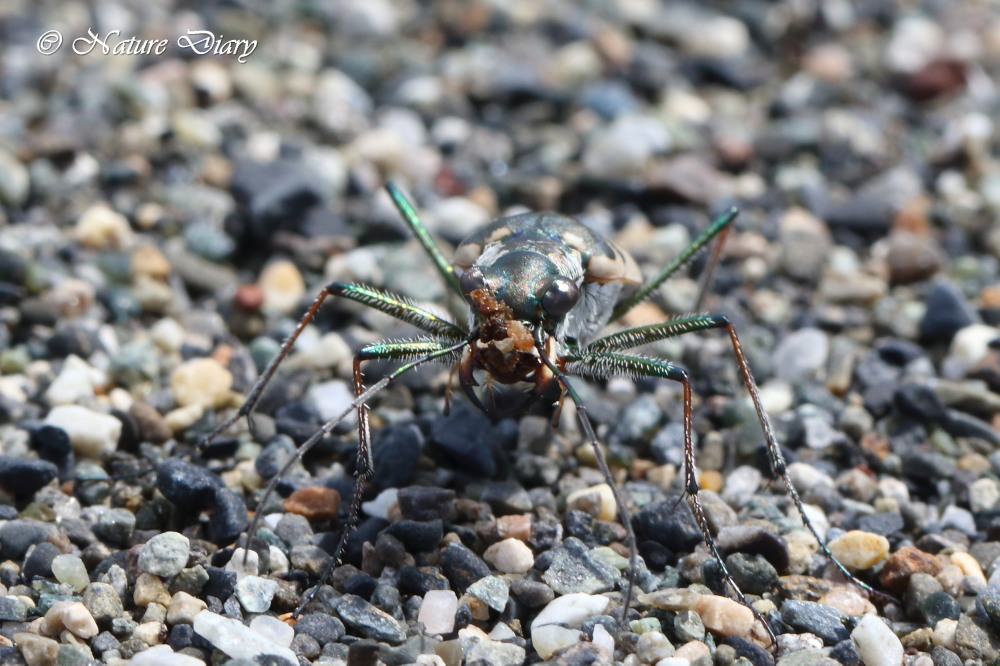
x=602, y=463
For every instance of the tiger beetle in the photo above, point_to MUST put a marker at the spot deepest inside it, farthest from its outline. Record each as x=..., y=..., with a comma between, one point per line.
x=539, y=286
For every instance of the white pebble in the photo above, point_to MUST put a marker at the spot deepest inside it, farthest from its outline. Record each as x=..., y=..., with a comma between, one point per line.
x=741, y=484
x=968, y=347
x=102, y=228
x=72, y=616
x=244, y=563
x=162, y=655
x=437, y=611
x=600, y=497
x=331, y=399
x=570, y=610
x=549, y=639
x=70, y=569
x=150, y=633
x=804, y=475
x=379, y=507
x=801, y=354
x=237, y=640
x=510, y=556
x=255, y=593
x=75, y=381
x=167, y=334
x=165, y=554
x=604, y=640
x=877, y=644
x=183, y=608
x=984, y=494
x=91, y=433
x=283, y=286
x=201, y=381
x=556, y=626
x=777, y=396
x=279, y=561
x=272, y=629
x=944, y=633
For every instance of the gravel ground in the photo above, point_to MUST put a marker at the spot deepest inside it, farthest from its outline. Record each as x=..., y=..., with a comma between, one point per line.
x=168, y=209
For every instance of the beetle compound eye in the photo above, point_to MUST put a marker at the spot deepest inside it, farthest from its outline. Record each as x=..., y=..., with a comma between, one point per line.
x=561, y=294
x=472, y=280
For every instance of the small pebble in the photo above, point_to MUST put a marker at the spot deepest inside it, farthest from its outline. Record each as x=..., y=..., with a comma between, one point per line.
x=165, y=554
x=91, y=433
x=724, y=617
x=437, y=611
x=370, y=621
x=201, y=381
x=100, y=227
x=877, y=644
x=183, y=608
x=72, y=616
x=237, y=640
x=315, y=503
x=282, y=285
x=597, y=500
x=510, y=556
x=859, y=550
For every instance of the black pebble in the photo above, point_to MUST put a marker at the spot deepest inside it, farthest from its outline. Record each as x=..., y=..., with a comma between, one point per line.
x=462, y=566
x=808, y=616
x=417, y=536
x=752, y=572
x=16, y=536
x=960, y=424
x=846, y=652
x=368, y=530
x=51, y=443
x=188, y=486
x=105, y=641
x=467, y=437
x=942, y=656
x=420, y=580
x=297, y=419
x=757, y=655
x=396, y=450
x=23, y=476
x=39, y=562
x=13, y=267
x=918, y=401
x=229, y=518
x=181, y=636
x=275, y=456
x=886, y=523
x=427, y=503
x=947, y=311
x=360, y=584
x=940, y=606
x=756, y=541
x=221, y=583
x=273, y=196
x=324, y=628
x=669, y=522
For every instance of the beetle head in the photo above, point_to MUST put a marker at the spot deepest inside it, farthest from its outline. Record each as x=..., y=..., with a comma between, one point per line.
x=527, y=283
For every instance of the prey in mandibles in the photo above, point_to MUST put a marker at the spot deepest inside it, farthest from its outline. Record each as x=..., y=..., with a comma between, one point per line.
x=540, y=287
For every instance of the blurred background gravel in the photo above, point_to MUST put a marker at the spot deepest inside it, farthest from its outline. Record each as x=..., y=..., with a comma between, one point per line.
x=165, y=218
